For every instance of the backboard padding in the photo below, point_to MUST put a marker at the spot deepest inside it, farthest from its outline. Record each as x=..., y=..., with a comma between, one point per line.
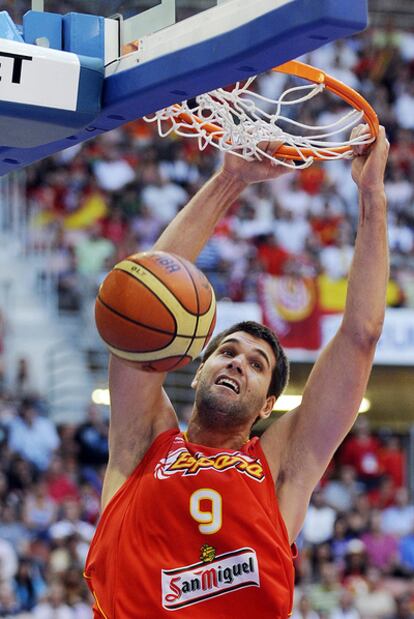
x=288, y=29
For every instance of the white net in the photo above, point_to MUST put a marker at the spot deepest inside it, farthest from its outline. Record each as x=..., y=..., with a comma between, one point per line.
x=242, y=121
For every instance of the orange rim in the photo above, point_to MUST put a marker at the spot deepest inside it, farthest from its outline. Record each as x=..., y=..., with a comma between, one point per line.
x=312, y=74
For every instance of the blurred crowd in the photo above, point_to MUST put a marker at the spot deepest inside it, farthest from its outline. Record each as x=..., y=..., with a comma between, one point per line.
x=50, y=484
x=356, y=558
x=97, y=202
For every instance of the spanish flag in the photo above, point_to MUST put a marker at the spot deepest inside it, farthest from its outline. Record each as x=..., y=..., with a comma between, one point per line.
x=290, y=307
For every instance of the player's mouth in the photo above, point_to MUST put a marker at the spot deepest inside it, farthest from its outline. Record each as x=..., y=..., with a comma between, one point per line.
x=228, y=383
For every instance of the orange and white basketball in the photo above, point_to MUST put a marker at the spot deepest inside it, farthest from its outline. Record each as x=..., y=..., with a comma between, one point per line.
x=157, y=310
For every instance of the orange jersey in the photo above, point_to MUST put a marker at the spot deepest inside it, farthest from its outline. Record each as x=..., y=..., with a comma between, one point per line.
x=194, y=533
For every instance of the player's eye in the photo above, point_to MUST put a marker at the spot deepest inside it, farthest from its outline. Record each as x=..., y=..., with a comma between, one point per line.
x=257, y=365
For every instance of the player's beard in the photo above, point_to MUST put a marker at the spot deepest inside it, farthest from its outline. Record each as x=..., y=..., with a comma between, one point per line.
x=215, y=410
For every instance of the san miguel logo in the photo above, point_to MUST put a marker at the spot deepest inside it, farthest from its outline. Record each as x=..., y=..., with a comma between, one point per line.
x=196, y=583
x=182, y=461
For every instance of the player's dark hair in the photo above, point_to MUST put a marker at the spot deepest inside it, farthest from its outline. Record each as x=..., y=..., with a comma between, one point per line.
x=280, y=374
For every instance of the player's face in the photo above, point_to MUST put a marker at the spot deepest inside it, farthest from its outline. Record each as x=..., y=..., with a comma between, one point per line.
x=232, y=384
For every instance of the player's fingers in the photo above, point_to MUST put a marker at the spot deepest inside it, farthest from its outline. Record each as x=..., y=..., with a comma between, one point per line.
x=272, y=146
x=360, y=132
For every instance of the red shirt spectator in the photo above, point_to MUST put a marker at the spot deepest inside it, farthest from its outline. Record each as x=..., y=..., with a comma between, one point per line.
x=326, y=226
x=362, y=452
x=312, y=179
x=393, y=461
x=60, y=486
x=272, y=257
x=384, y=495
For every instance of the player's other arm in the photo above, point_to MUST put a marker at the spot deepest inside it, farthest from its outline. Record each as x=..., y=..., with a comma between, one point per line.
x=302, y=443
x=140, y=409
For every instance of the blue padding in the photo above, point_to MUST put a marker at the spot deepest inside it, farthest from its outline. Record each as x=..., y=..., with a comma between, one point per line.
x=8, y=30
x=37, y=24
x=285, y=33
x=34, y=125
x=30, y=126
x=84, y=35
x=282, y=34
x=91, y=82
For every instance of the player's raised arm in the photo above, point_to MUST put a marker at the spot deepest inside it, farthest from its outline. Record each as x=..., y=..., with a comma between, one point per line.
x=140, y=409
x=301, y=443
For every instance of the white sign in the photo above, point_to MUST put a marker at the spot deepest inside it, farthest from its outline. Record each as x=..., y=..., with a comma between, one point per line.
x=396, y=344
x=229, y=313
x=40, y=76
x=196, y=583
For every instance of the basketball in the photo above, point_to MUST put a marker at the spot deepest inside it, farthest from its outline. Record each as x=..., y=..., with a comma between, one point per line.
x=157, y=310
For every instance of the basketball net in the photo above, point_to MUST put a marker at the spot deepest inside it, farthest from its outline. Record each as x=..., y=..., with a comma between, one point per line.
x=241, y=121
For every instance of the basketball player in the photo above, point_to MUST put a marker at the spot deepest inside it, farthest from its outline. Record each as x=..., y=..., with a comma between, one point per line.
x=202, y=524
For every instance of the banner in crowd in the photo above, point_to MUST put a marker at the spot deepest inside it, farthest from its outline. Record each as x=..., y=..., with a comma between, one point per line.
x=396, y=345
x=290, y=307
x=332, y=294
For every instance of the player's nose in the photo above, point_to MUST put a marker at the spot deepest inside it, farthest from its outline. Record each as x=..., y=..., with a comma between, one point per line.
x=236, y=363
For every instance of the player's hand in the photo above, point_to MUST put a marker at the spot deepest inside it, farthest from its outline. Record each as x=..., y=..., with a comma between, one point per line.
x=368, y=165
x=255, y=171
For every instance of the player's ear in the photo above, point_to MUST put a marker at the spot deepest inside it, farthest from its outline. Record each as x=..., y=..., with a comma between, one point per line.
x=268, y=407
x=196, y=377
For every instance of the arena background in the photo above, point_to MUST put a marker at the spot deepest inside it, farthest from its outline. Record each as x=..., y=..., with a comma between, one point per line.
x=66, y=220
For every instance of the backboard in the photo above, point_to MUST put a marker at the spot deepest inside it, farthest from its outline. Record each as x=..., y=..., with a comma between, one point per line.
x=169, y=60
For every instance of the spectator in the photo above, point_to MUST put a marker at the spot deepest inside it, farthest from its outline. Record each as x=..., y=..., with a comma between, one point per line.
x=355, y=561
x=163, y=198
x=291, y=232
x=60, y=486
x=21, y=475
x=381, y=548
x=326, y=226
x=54, y=606
x=383, y=495
x=393, y=460
x=12, y=528
x=39, y=511
x=112, y=171
x=71, y=523
x=346, y=607
x=340, y=493
x=319, y=522
x=325, y=595
x=29, y=586
x=304, y=609
x=361, y=451
x=146, y=228
x=92, y=439
x=336, y=258
x=31, y=436
x=92, y=254
x=339, y=541
x=398, y=519
x=376, y=602
x=271, y=255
